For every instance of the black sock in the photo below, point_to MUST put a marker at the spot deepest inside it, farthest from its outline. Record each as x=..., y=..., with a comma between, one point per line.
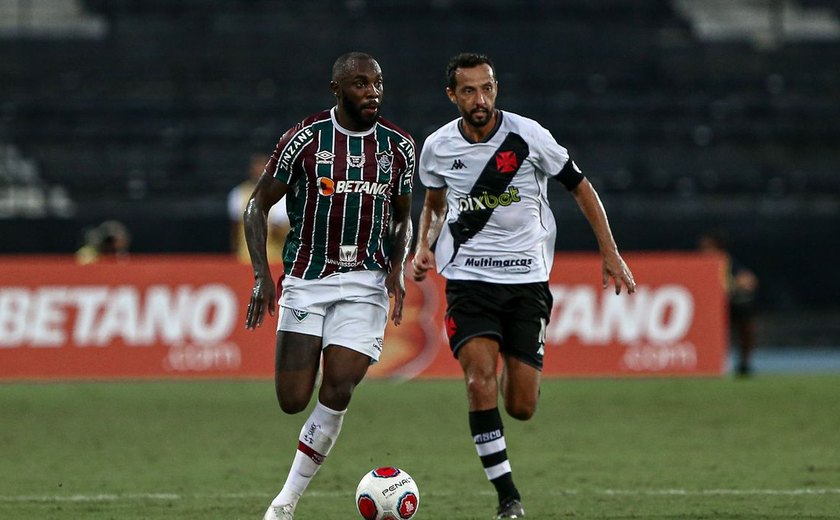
x=488, y=436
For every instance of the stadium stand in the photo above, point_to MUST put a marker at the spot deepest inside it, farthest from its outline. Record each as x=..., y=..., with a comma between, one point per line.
x=155, y=113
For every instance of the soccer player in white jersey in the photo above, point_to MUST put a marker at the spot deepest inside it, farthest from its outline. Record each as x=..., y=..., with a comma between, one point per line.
x=486, y=175
x=346, y=174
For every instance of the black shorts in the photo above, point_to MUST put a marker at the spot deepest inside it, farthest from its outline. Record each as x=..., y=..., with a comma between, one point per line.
x=514, y=314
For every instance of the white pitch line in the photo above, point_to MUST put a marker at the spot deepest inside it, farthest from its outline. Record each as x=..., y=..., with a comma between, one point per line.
x=714, y=492
x=114, y=497
x=101, y=497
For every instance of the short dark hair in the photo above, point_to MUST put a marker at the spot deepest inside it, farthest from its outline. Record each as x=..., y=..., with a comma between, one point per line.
x=465, y=60
x=343, y=61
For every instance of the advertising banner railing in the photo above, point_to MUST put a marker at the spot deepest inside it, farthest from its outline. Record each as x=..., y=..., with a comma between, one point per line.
x=183, y=316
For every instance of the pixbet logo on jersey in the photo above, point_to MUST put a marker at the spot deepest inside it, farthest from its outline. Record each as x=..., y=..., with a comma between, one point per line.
x=488, y=200
x=328, y=187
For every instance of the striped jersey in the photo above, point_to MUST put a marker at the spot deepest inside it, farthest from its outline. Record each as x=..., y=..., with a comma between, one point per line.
x=499, y=226
x=341, y=185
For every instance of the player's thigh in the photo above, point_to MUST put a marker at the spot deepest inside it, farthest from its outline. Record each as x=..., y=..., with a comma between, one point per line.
x=520, y=383
x=296, y=361
x=479, y=357
x=296, y=352
x=299, y=341
x=344, y=368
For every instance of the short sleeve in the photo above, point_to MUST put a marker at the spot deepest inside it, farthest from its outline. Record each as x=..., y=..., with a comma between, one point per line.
x=553, y=159
x=288, y=151
x=426, y=171
x=406, y=179
x=550, y=156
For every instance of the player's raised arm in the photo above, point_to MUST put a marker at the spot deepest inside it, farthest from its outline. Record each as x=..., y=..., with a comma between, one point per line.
x=612, y=266
x=432, y=218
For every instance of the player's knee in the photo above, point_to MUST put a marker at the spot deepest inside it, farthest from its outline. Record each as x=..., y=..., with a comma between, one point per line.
x=521, y=409
x=482, y=386
x=336, y=397
x=292, y=402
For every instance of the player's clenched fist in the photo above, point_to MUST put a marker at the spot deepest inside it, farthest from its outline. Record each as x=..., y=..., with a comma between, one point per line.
x=424, y=260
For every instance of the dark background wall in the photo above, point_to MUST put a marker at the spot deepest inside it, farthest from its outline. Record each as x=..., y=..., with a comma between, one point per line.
x=152, y=121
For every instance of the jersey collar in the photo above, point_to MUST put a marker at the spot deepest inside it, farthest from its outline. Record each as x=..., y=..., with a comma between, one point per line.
x=499, y=117
x=345, y=131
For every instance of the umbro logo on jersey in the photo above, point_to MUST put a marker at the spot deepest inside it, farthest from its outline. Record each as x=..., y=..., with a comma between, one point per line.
x=458, y=165
x=324, y=157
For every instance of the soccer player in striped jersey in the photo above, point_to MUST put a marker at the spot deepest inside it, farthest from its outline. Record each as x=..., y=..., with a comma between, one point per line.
x=346, y=174
x=486, y=205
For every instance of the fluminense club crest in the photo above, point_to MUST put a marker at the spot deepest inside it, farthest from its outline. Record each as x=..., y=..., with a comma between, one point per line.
x=385, y=159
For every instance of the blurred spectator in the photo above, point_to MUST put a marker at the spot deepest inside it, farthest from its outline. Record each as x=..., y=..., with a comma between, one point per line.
x=278, y=220
x=109, y=241
x=741, y=285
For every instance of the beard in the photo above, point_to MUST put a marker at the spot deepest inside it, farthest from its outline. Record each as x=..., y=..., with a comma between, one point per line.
x=478, y=118
x=355, y=113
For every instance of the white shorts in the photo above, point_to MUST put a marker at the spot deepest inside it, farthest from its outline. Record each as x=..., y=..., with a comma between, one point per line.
x=346, y=309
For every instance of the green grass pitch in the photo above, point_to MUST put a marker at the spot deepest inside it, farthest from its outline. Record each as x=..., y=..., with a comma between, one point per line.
x=763, y=448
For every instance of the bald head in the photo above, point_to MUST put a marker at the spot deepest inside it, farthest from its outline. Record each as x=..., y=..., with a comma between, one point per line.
x=347, y=64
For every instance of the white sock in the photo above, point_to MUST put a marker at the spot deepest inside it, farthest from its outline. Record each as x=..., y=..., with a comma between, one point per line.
x=314, y=443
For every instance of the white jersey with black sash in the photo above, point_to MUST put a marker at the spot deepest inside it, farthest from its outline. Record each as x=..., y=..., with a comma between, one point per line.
x=499, y=226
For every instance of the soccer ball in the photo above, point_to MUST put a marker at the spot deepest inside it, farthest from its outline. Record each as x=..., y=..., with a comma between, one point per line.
x=387, y=493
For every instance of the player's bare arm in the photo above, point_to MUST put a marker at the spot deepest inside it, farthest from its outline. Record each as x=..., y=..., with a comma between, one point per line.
x=431, y=221
x=255, y=219
x=612, y=265
x=402, y=231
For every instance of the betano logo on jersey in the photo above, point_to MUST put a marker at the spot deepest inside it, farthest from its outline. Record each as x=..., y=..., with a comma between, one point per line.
x=488, y=201
x=328, y=187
